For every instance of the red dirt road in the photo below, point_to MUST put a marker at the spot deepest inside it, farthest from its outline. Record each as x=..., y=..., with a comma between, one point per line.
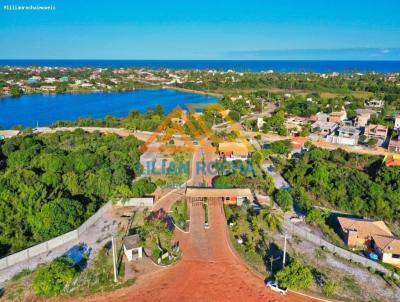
x=209, y=270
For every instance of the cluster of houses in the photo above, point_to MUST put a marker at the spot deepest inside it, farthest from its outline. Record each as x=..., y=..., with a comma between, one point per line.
x=336, y=128
x=38, y=84
x=36, y=79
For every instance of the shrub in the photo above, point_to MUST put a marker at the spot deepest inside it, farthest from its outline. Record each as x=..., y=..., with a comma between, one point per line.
x=295, y=276
x=284, y=199
x=281, y=147
x=329, y=288
x=51, y=279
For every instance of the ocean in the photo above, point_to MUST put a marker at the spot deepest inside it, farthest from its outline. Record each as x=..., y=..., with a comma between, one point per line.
x=238, y=65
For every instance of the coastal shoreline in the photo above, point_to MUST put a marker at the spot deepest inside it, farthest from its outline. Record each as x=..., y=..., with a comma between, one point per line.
x=154, y=87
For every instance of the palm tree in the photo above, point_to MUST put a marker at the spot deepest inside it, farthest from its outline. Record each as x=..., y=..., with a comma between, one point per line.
x=271, y=218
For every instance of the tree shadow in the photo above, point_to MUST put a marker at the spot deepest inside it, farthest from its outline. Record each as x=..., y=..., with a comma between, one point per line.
x=275, y=255
x=319, y=277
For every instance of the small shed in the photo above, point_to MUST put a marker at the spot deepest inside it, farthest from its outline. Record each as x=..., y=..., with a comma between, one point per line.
x=132, y=248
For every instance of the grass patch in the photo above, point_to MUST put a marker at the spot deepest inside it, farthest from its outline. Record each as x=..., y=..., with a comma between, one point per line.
x=98, y=277
x=179, y=214
x=205, y=206
x=349, y=284
x=18, y=288
x=253, y=259
x=253, y=247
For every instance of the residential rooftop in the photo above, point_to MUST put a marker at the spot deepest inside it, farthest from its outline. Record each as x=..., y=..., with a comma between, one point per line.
x=364, y=228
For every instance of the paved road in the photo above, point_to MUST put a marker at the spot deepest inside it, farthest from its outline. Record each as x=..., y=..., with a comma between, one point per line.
x=280, y=182
x=209, y=270
x=142, y=135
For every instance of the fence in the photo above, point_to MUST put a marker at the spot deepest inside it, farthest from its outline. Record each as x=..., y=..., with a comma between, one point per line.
x=292, y=229
x=51, y=244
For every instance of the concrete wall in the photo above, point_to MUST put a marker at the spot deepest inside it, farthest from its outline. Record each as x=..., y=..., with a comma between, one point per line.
x=136, y=202
x=387, y=258
x=51, y=244
x=333, y=139
x=292, y=229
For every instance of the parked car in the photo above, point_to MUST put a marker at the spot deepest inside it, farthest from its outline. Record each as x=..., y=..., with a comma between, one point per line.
x=273, y=285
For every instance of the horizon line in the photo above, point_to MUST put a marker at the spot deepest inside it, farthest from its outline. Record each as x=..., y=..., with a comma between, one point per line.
x=244, y=60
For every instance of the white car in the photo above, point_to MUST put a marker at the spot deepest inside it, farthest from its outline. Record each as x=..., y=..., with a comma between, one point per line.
x=273, y=285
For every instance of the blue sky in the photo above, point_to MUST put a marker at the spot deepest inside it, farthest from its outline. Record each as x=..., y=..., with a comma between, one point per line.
x=218, y=29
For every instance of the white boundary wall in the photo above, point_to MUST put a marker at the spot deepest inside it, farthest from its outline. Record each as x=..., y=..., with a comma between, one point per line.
x=136, y=202
x=51, y=244
x=293, y=229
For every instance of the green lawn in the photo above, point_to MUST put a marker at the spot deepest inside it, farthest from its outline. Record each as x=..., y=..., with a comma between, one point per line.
x=180, y=215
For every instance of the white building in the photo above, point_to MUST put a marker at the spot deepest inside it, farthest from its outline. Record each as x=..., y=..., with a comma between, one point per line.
x=233, y=151
x=388, y=249
x=260, y=122
x=375, y=103
x=323, y=117
x=397, y=122
x=50, y=80
x=324, y=128
x=346, y=135
x=132, y=249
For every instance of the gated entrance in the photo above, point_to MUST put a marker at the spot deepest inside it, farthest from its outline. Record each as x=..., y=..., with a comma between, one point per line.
x=215, y=196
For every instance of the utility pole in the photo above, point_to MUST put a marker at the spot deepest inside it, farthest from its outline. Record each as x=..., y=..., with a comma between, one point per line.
x=284, y=252
x=262, y=106
x=271, y=260
x=114, y=259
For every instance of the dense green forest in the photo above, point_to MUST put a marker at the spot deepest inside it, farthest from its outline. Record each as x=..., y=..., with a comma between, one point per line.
x=147, y=121
x=49, y=184
x=349, y=182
